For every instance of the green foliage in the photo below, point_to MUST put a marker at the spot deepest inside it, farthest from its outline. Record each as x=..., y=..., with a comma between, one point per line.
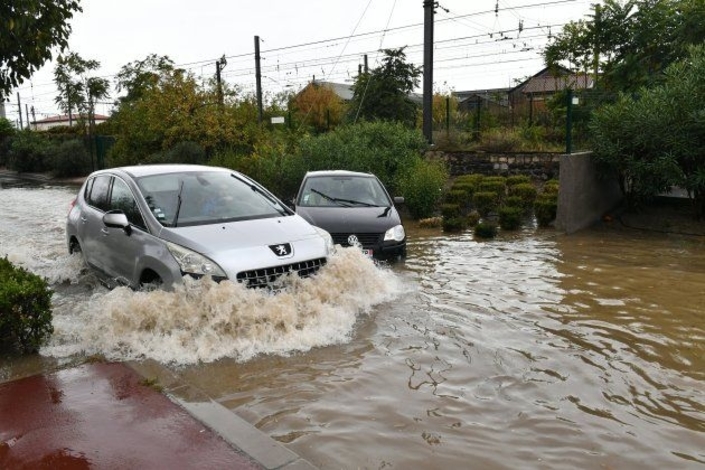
x=454, y=224
x=510, y=217
x=545, y=209
x=473, y=218
x=28, y=153
x=70, y=158
x=450, y=211
x=472, y=179
x=383, y=93
x=485, y=230
x=7, y=131
x=516, y=201
x=635, y=40
x=514, y=180
x=421, y=185
x=31, y=30
x=656, y=139
x=493, y=185
x=25, y=308
x=525, y=191
x=550, y=187
x=457, y=196
x=485, y=202
x=382, y=148
x=182, y=152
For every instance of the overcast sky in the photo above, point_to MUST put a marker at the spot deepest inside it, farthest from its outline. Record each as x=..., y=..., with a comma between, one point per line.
x=475, y=48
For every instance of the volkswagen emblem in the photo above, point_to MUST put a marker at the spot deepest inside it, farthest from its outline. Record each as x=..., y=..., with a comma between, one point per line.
x=353, y=241
x=281, y=250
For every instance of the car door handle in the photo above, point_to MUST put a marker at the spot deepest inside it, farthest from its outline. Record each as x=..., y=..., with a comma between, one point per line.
x=105, y=231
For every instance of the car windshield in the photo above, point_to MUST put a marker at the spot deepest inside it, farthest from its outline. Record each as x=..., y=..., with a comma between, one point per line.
x=206, y=197
x=345, y=191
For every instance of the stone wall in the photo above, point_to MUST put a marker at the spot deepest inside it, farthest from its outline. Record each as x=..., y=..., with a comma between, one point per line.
x=538, y=165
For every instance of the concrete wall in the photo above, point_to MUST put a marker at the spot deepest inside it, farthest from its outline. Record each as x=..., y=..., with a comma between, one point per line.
x=583, y=197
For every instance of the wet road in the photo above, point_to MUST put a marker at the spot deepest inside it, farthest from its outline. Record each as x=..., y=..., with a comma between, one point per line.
x=530, y=351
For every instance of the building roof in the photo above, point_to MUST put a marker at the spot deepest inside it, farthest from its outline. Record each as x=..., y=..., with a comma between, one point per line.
x=551, y=80
x=65, y=118
x=343, y=90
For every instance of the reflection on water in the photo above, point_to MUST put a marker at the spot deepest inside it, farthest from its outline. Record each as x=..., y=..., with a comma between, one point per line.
x=529, y=351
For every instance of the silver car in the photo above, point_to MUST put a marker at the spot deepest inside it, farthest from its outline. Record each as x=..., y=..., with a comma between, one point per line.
x=154, y=224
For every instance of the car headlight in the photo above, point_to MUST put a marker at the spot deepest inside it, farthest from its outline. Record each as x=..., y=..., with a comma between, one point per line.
x=330, y=246
x=191, y=262
x=395, y=233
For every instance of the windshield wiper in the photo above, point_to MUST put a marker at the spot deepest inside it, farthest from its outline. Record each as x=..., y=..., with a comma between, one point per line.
x=278, y=207
x=178, y=204
x=338, y=200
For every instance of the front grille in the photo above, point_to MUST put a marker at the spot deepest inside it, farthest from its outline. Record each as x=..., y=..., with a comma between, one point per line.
x=266, y=277
x=367, y=240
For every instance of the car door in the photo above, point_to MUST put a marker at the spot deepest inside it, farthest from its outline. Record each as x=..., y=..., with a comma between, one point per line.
x=91, y=225
x=124, y=248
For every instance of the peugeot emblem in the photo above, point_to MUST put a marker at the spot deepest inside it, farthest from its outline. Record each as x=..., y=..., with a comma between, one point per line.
x=353, y=241
x=282, y=249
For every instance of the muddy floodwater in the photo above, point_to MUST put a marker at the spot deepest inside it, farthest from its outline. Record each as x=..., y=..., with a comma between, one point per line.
x=533, y=350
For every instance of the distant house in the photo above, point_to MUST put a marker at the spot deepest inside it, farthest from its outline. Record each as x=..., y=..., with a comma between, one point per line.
x=62, y=120
x=530, y=96
x=494, y=100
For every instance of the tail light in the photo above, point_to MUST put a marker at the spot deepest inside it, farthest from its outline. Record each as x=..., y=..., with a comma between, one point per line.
x=73, y=203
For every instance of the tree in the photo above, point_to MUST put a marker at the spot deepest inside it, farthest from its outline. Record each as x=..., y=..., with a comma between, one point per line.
x=30, y=30
x=77, y=91
x=629, y=44
x=318, y=105
x=656, y=138
x=383, y=93
x=165, y=106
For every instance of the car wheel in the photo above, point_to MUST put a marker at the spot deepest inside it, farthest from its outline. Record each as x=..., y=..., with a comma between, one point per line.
x=150, y=281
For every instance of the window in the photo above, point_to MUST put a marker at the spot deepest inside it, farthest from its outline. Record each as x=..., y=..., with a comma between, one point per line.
x=98, y=196
x=121, y=199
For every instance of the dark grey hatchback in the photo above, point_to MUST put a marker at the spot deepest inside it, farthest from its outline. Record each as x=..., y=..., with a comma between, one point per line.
x=356, y=209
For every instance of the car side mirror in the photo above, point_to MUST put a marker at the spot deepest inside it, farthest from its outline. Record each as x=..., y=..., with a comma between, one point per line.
x=398, y=200
x=117, y=220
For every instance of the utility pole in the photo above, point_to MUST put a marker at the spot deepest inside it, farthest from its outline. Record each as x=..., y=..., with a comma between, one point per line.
x=219, y=65
x=258, y=80
x=34, y=118
x=19, y=108
x=367, y=68
x=429, y=11
x=26, y=113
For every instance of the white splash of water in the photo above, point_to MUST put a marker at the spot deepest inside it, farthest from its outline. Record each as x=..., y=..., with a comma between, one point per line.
x=202, y=321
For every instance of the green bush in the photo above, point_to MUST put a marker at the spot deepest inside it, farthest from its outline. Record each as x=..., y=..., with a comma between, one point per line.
x=454, y=224
x=182, y=152
x=473, y=218
x=485, y=202
x=492, y=185
x=28, y=153
x=525, y=191
x=25, y=308
x=450, y=211
x=382, y=148
x=514, y=180
x=485, y=230
x=514, y=201
x=421, y=186
x=510, y=217
x=70, y=158
x=473, y=180
x=545, y=209
x=456, y=196
x=550, y=187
